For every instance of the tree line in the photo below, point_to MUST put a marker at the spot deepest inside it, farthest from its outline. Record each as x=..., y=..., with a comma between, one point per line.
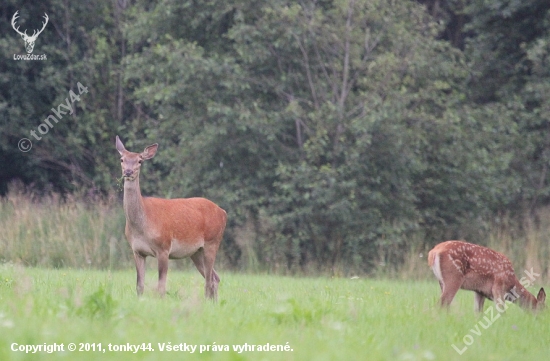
x=328, y=129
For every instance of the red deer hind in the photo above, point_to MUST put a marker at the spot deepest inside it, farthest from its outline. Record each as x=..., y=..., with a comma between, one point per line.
x=169, y=228
x=489, y=274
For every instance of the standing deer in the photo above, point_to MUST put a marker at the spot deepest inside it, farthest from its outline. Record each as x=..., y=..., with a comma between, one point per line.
x=489, y=274
x=169, y=228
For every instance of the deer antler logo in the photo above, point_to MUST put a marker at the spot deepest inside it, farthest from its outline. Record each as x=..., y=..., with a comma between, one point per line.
x=29, y=40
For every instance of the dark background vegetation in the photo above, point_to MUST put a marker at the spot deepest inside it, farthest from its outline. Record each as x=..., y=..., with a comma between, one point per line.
x=337, y=134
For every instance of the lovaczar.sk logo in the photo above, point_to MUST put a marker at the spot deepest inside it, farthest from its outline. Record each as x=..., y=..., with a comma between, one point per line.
x=29, y=40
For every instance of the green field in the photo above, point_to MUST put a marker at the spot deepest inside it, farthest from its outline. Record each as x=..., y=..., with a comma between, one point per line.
x=316, y=318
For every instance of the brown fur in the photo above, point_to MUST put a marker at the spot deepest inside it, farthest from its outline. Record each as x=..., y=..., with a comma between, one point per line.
x=462, y=265
x=169, y=228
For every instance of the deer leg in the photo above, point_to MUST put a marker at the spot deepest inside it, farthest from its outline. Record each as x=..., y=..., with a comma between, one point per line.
x=448, y=294
x=499, y=295
x=450, y=279
x=163, y=272
x=140, y=270
x=198, y=260
x=479, y=299
x=215, y=276
x=450, y=288
x=211, y=277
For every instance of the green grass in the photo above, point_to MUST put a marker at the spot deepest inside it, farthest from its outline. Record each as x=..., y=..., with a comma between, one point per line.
x=320, y=318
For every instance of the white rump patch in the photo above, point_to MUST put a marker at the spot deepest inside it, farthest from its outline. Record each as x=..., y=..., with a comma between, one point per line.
x=436, y=268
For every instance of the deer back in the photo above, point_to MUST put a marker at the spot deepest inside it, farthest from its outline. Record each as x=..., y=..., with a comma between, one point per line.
x=184, y=219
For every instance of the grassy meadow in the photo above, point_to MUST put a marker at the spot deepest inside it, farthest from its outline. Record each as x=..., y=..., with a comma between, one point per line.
x=319, y=318
x=67, y=276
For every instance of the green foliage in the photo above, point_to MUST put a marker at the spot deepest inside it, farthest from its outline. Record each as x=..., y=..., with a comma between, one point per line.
x=509, y=55
x=382, y=141
x=330, y=131
x=51, y=232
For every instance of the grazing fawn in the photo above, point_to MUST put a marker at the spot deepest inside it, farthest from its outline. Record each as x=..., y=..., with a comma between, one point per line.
x=169, y=228
x=489, y=274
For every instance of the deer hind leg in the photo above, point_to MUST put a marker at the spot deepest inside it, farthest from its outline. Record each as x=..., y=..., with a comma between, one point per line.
x=140, y=270
x=215, y=276
x=199, y=260
x=452, y=280
x=211, y=277
x=479, y=299
x=449, y=292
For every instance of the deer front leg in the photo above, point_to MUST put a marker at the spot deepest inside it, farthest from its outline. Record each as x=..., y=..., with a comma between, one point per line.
x=140, y=270
x=479, y=299
x=163, y=272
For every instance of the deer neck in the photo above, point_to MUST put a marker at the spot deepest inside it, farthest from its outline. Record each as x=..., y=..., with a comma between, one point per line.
x=133, y=206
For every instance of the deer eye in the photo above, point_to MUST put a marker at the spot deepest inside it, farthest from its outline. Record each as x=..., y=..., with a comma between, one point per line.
x=121, y=160
x=139, y=161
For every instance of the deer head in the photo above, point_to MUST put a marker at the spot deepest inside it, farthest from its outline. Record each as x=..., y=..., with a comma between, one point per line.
x=131, y=162
x=29, y=40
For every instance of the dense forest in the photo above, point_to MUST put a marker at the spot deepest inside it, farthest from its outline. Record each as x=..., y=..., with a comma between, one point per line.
x=327, y=129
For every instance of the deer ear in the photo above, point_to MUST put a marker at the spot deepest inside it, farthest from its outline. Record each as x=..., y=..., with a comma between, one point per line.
x=120, y=146
x=150, y=151
x=541, y=297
